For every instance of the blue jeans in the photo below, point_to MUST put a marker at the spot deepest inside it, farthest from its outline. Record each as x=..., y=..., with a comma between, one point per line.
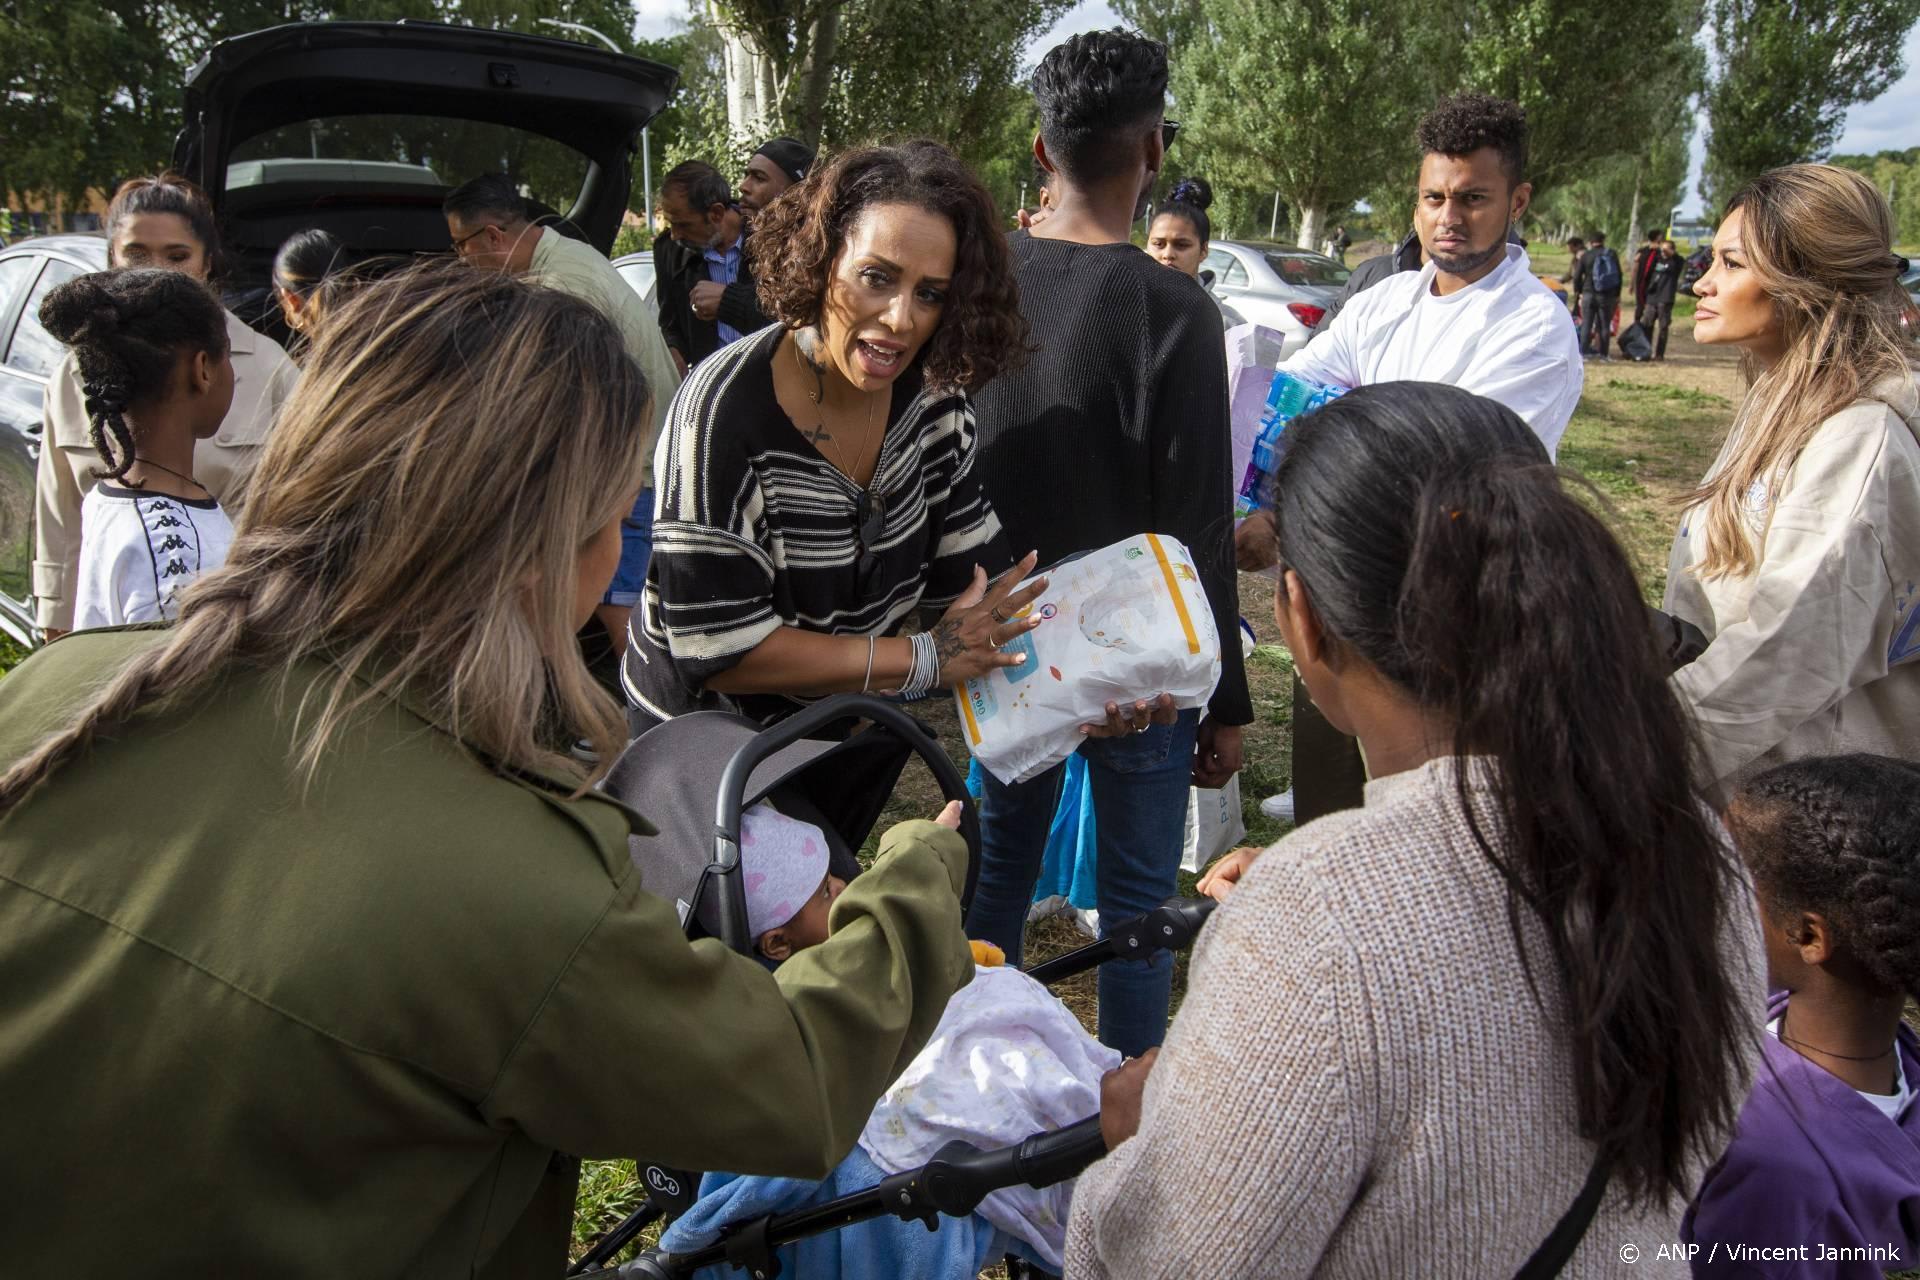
x=636, y=548
x=1140, y=786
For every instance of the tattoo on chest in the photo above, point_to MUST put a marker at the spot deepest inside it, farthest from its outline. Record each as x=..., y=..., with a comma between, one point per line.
x=817, y=434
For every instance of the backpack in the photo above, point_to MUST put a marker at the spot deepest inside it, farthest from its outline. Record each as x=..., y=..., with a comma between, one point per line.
x=1606, y=271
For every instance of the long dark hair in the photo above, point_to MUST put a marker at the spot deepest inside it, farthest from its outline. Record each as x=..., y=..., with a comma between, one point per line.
x=798, y=236
x=127, y=328
x=1435, y=541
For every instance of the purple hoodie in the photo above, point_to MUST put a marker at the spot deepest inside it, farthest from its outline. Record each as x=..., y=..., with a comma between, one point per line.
x=1818, y=1182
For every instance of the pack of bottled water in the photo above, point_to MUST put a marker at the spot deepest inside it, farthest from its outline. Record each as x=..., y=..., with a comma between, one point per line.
x=1288, y=398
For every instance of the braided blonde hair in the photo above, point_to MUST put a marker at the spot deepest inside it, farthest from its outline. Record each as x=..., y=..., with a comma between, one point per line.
x=416, y=521
x=1819, y=238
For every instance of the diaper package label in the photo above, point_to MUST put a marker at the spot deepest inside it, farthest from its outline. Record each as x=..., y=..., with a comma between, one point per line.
x=1127, y=622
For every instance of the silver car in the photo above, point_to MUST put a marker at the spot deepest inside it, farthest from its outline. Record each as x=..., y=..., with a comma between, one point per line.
x=638, y=271
x=1281, y=286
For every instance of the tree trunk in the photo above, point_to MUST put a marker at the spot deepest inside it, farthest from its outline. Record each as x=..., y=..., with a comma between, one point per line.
x=742, y=65
x=809, y=112
x=769, y=121
x=1311, y=216
x=1633, y=217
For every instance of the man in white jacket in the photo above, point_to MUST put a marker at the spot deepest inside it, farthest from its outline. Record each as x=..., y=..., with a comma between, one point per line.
x=1475, y=316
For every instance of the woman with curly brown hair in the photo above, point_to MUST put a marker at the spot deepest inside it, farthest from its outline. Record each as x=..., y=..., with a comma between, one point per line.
x=815, y=479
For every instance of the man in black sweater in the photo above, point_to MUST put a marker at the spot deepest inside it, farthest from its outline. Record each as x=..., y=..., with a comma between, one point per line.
x=1117, y=425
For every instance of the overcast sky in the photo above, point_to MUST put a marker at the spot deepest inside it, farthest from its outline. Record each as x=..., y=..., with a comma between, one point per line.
x=1889, y=123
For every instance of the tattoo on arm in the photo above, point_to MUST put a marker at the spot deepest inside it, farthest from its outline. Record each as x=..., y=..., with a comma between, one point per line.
x=947, y=644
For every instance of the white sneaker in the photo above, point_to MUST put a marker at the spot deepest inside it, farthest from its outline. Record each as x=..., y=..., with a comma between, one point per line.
x=1280, y=807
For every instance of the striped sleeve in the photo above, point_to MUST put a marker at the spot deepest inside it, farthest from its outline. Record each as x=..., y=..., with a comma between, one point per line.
x=969, y=532
x=710, y=586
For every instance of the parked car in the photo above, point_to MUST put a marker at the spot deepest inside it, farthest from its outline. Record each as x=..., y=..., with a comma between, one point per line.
x=29, y=270
x=360, y=128
x=637, y=270
x=1281, y=286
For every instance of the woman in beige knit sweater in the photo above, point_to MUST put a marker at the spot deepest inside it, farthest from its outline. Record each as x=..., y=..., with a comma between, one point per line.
x=1522, y=985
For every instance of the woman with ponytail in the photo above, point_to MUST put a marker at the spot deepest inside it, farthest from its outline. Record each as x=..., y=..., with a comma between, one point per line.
x=1511, y=1001
x=309, y=914
x=1799, y=554
x=151, y=349
x=166, y=223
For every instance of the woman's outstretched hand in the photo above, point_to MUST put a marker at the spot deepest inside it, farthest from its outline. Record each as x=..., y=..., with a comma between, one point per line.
x=950, y=816
x=1224, y=875
x=969, y=637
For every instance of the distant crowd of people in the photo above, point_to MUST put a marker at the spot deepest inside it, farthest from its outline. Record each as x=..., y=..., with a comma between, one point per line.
x=1581, y=938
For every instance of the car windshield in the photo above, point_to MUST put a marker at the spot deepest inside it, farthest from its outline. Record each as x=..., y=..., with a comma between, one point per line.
x=1307, y=268
x=404, y=155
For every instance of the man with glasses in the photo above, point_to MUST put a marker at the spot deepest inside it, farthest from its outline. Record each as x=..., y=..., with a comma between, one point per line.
x=1116, y=425
x=489, y=227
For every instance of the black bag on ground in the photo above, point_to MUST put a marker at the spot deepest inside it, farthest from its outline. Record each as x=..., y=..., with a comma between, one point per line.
x=1634, y=342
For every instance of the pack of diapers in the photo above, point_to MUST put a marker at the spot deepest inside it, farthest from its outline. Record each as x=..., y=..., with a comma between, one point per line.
x=1124, y=623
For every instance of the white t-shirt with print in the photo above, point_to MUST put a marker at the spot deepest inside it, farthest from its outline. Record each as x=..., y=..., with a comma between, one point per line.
x=138, y=550
x=1505, y=336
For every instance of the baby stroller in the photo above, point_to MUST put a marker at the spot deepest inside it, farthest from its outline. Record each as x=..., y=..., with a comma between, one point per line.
x=812, y=767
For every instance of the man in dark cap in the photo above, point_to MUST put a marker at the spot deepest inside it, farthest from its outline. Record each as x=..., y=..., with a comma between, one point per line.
x=770, y=171
x=726, y=301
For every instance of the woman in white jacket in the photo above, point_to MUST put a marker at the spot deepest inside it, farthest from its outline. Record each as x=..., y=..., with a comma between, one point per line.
x=163, y=222
x=1799, y=555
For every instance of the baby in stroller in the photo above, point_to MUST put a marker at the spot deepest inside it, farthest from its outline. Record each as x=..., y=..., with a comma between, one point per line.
x=1008, y=1060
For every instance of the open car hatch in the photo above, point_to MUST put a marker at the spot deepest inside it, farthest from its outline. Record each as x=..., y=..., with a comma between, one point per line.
x=363, y=127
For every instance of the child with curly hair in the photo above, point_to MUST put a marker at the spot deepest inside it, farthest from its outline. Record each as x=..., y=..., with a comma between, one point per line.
x=1824, y=1169
x=152, y=352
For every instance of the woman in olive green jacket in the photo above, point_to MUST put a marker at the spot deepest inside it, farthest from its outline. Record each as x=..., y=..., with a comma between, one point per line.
x=321, y=960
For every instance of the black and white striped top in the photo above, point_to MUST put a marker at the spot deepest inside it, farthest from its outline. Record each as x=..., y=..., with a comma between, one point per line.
x=755, y=530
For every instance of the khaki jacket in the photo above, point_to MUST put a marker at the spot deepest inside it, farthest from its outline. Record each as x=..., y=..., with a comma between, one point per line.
x=580, y=270
x=223, y=463
x=349, y=1028
x=1818, y=650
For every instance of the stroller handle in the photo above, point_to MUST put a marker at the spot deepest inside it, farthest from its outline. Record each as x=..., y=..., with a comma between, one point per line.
x=803, y=724
x=960, y=1176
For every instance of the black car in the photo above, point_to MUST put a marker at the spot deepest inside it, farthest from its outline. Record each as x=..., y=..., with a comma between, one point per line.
x=29, y=270
x=361, y=128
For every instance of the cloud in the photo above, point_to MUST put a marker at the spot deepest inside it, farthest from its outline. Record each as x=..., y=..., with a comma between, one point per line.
x=658, y=19
x=1087, y=15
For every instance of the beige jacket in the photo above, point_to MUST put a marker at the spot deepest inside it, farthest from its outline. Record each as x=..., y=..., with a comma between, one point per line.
x=1359, y=1084
x=1814, y=653
x=578, y=269
x=223, y=463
